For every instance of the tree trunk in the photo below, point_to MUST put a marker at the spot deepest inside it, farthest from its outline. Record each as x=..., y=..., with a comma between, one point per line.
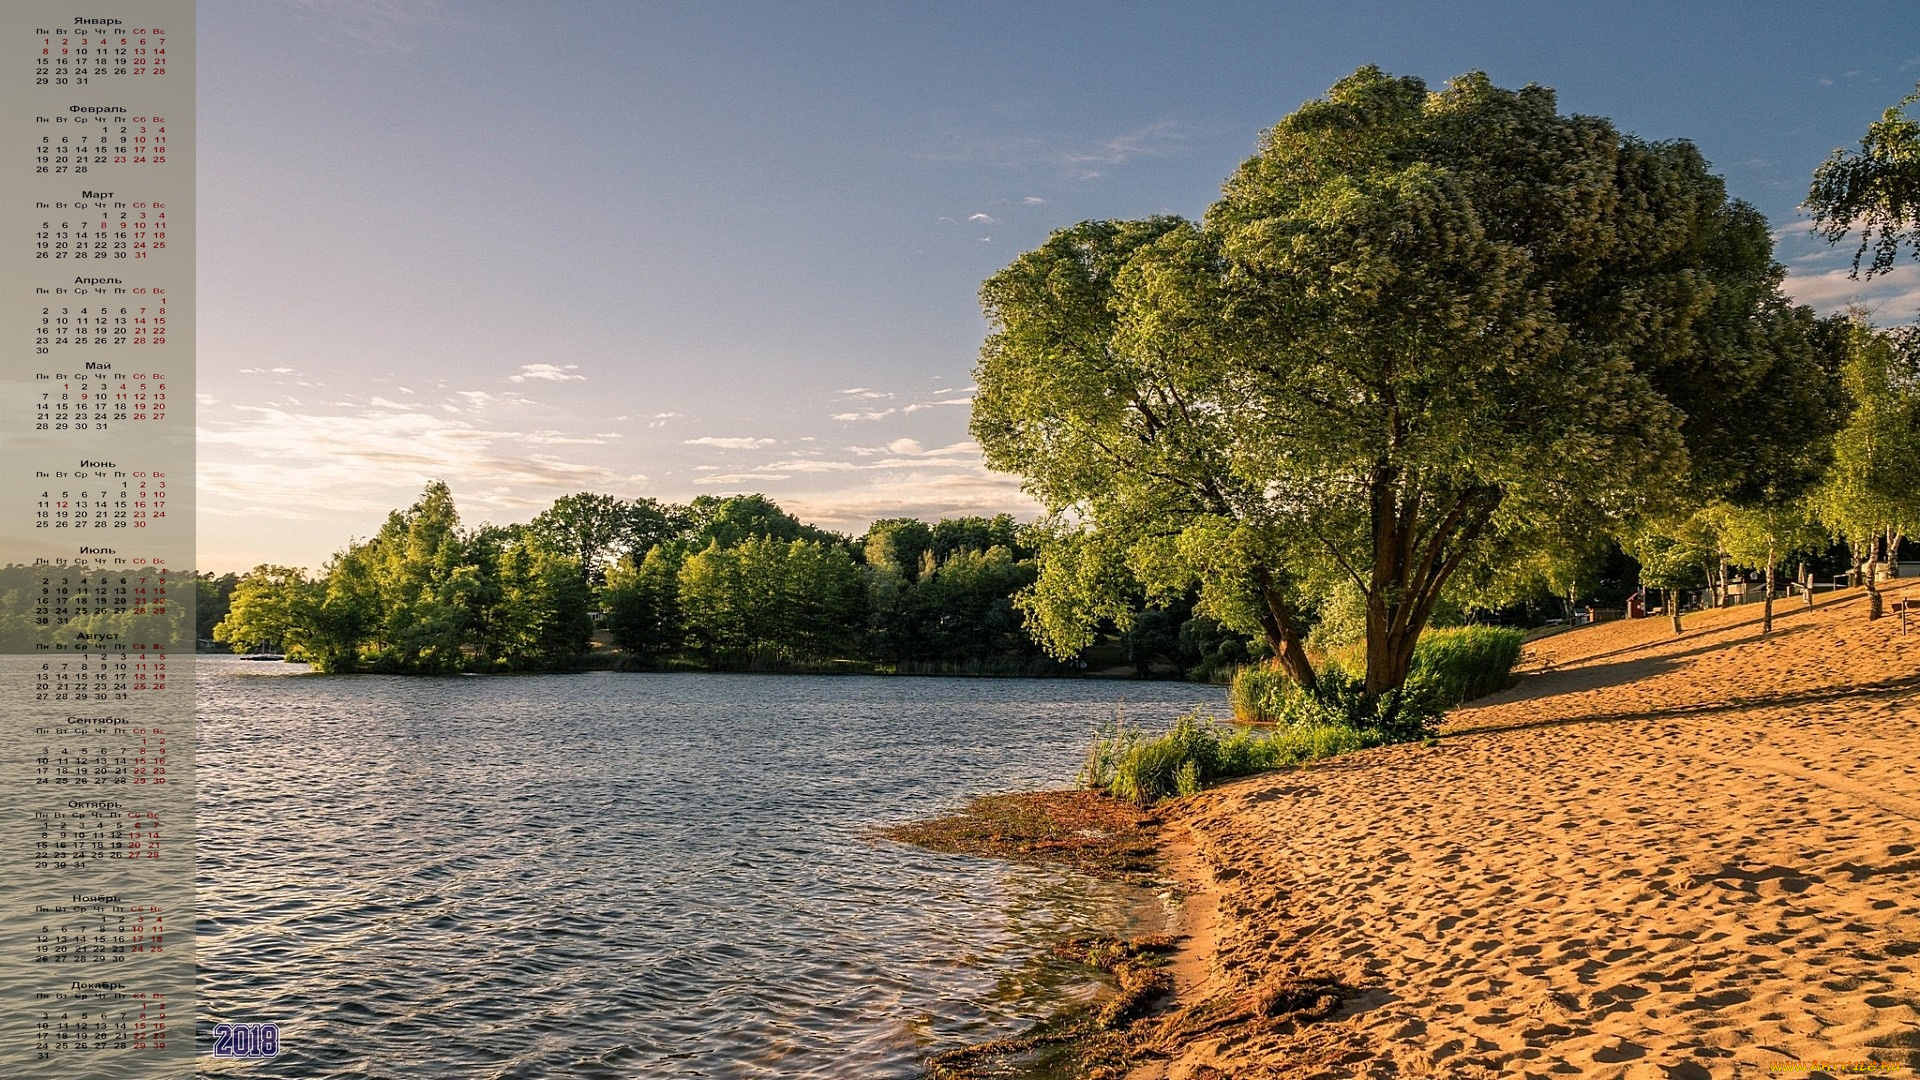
x=1391, y=658
x=1766, y=613
x=1282, y=633
x=1871, y=548
x=1411, y=562
x=1673, y=609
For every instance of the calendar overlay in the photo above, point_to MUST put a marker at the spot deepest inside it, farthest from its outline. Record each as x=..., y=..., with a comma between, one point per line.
x=96, y=541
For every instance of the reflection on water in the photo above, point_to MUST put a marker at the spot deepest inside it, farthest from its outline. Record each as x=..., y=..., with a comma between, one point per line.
x=626, y=875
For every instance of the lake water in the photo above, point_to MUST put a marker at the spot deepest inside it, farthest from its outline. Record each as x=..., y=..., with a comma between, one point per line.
x=629, y=875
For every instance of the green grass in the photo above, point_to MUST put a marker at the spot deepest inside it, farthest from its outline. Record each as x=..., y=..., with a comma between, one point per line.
x=1144, y=768
x=1450, y=666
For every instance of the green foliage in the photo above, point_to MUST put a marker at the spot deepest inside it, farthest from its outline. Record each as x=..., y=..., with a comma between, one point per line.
x=266, y=610
x=793, y=601
x=896, y=546
x=539, y=617
x=1875, y=189
x=423, y=596
x=1873, y=484
x=1671, y=563
x=1129, y=763
x=732, y=521
x=1462, y=663
x=1762, y=536
x=1418, y=331
x=212, y=599
x=592, y=529
x=1450, y=666
x=642, y=603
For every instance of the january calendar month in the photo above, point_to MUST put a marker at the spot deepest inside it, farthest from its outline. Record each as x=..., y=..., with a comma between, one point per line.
x=100, y=227
x=94, y=138
x=99, y=313
x=93, y=49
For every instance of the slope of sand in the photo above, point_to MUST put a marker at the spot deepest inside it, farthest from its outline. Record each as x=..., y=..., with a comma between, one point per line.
x=1654, y=857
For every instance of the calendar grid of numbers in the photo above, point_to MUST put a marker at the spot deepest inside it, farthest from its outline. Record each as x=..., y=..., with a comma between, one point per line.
x=96, y=517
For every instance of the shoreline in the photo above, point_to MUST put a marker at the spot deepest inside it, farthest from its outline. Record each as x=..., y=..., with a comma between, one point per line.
x=1655, y=856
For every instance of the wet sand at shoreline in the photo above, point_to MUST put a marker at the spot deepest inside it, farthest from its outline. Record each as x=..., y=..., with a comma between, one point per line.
x=1654, y=857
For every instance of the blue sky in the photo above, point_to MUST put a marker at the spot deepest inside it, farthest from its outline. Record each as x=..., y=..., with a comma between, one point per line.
x=671, y=249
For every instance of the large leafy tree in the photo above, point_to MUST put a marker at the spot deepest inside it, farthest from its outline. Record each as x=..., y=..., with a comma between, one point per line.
x=1875, y=189
x=595, y=529
x=1871, y=493
x=1415, y=322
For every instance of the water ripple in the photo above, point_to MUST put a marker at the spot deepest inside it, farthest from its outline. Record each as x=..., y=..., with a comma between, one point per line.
x=627, y=875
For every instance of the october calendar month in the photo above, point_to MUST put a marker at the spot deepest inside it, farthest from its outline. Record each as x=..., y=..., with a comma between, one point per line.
x=97, y=904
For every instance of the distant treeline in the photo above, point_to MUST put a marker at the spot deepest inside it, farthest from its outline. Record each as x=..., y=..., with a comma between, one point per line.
x=720, y=583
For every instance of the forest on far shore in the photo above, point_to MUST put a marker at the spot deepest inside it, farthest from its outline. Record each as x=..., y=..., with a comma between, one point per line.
x=718, y=584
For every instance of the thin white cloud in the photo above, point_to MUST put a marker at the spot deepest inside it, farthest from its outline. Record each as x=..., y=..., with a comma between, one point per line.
x=730, y=444
x=371, y=459
x=740, y=479
x=983, y=219
x=857, y=417
x=385, y=25
x=1032, y=200
x=1078, y=156
x=919, y=405
x=547, y=372
x=1894, y=296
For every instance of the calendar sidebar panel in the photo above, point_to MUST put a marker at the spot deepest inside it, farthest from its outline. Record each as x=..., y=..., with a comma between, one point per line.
x=96, y=523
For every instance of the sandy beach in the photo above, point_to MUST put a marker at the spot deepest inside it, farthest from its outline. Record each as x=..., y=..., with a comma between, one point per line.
x=1656, y=856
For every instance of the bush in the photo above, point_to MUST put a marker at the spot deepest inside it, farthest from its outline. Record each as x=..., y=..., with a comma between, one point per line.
x=1131, y=764
x=1449, y=667
x=1467, y=662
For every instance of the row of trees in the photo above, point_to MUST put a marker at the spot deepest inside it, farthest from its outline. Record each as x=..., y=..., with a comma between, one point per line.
x=1429, y=343
x=718, y=583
